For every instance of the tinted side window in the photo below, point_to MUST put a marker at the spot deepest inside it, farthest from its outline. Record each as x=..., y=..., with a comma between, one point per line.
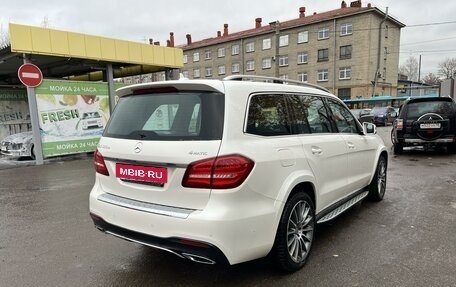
x=268, y=116
x=310, y=114
x=343, y=119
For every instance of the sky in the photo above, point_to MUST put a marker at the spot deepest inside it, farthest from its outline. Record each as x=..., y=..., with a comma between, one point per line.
x=139, y=20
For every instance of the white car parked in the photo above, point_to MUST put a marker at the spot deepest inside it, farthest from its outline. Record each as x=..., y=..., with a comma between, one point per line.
x=18, y=145
x=232, y=170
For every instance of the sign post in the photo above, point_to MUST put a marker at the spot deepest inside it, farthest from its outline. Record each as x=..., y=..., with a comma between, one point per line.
x=31, y=76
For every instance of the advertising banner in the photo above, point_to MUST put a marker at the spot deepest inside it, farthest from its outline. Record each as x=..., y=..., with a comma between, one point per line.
x=72, y=115
x=14, y=112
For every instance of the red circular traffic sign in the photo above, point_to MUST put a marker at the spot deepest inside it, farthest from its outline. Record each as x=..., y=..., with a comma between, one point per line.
x=30, y=75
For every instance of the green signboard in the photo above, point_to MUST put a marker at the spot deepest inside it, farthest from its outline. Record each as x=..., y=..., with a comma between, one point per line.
x=72, y=115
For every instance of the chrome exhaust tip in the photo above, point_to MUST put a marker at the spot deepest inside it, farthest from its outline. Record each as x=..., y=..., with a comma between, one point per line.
x=198, y=259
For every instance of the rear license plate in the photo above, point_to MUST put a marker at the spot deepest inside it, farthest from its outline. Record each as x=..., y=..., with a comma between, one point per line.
x=430, y=126
x=141, y=173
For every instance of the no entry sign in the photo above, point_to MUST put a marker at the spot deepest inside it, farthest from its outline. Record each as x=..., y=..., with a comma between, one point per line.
x=30, y=75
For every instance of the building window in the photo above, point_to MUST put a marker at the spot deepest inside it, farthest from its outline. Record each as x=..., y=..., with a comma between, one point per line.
x=344, y=94
x=283, y=77
x=266, y=63
x=323, y=55
x=323, y=33
x=221, y=52
x=196, y=73
x=283, y=41
x=250, y=47
x=185, y=59
x=303, y=58
x=283, y=60
x=384, y=73
x=235, y=50
x=346, y=29
x=235, y=68
x=345, y=52
x=207, y=54
x=322, y=75
x=250, y=65
x=344, y=73
x=303, y=37
x=302, y=77
x=267, y=44
x=196, y=57
x=208, y=71
x=221, y=70
x=386, y=31
x=185, y=74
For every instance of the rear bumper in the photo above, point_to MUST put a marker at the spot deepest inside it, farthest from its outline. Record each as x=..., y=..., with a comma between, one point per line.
x=196, y=251
x=228, y=229
x=411, y=140
x=436, y=141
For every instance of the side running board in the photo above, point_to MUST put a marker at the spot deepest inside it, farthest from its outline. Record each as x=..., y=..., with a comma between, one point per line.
x=333, y=214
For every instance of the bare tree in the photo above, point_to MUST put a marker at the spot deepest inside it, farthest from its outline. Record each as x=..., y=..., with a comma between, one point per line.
x=4, y=38
x=410, y=68
x=447, y=68
x=432, y=79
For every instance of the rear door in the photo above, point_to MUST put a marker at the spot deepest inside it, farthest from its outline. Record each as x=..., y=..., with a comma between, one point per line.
x=325, y=150
x=152, y=137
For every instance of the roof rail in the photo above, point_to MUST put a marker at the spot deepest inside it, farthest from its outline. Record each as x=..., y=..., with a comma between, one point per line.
x=272, y=80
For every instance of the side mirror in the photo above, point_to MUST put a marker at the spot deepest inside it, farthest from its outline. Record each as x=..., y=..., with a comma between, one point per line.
x=369, y=128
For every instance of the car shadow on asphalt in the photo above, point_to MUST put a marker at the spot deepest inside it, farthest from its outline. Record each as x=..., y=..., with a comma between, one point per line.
x=151, y=266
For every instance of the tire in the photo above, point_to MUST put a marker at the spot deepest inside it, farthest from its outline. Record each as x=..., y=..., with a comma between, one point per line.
x=377, y=187
x=32, y=152
x=295, y=233
x=398, y=148
x=451, y=148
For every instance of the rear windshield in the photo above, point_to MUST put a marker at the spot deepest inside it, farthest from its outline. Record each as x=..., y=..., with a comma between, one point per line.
x=173, y=116
x=417, y=109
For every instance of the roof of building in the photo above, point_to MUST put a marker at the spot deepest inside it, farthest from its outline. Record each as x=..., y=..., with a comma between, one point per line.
x=302, y=20
x=63, y=54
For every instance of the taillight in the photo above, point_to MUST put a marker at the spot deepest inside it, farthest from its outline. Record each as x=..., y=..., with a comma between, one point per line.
x=223, y=172
x=99, y=163
x=399, y=124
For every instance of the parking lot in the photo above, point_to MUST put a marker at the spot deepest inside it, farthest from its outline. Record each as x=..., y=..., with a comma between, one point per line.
x=408, y=239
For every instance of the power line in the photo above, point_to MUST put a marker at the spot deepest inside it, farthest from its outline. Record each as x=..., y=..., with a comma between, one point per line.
x=430, y=24
x=428, y=41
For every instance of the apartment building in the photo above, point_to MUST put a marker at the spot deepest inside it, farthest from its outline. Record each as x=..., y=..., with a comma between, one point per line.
x=353, y=51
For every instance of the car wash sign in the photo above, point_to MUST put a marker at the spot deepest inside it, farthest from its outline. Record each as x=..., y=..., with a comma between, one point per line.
x=72, y=115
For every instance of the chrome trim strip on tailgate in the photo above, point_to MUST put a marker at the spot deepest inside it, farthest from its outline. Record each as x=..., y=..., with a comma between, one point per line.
x=145, y=206
x=146, y=163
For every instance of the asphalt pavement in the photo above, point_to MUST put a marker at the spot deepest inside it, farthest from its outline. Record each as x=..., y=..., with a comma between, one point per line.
x=408, y=239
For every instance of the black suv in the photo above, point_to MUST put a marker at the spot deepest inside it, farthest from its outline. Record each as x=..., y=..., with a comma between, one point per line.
x=425, y=122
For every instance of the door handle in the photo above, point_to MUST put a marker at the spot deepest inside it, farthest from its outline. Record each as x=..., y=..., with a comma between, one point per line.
x=351, y=145
x=316, y=150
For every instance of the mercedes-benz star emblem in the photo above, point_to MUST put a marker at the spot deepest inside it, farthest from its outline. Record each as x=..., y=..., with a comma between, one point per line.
x=138, y=147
